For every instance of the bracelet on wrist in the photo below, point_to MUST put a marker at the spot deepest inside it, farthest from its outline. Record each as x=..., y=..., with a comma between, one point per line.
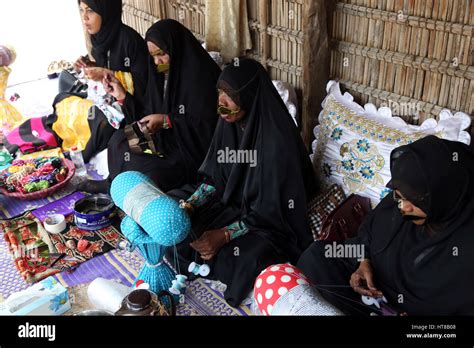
x=227, y=235
x=166, y=125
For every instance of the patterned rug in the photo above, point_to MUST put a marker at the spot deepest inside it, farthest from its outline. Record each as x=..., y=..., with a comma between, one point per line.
x=202, y=298
x=30, y=245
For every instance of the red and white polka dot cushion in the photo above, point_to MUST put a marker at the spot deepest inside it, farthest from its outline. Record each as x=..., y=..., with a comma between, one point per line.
x=274, y=282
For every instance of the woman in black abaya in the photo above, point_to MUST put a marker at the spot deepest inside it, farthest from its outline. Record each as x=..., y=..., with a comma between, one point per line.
x=247, y=216
x=418, y=243
x=183, y=120
x=117, y=48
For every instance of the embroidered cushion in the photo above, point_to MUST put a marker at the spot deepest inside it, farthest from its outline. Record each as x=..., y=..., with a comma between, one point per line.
x=157, y=214
x=353, y=143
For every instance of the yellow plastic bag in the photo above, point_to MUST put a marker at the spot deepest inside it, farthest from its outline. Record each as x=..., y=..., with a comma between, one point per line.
x=72, y=125
x=126, y=80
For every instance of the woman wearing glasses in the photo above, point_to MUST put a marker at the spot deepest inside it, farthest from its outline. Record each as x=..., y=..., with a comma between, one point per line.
x=418, y=243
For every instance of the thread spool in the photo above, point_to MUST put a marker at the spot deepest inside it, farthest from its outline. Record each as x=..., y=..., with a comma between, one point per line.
x=55, y=223
x=202, y=270
x=125, y=245
x=178, y=285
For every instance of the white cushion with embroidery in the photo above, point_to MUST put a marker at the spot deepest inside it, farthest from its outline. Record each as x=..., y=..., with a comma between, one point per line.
x=353, y=143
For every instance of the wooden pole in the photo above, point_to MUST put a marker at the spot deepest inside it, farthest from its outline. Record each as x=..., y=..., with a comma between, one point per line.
x=263, y=19
x=315, y=64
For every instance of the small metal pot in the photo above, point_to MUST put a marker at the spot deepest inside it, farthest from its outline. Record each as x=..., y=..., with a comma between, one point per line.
x=94, y=313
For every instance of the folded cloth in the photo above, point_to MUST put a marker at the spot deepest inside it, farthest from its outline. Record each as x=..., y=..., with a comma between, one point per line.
x=38, y=254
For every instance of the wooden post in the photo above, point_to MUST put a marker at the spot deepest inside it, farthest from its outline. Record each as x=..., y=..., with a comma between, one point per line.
x=263, y=19
x=315, y=64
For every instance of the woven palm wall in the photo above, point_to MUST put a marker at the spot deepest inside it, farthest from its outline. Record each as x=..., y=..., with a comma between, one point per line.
x=405, y=53
x=277, y=35
x=413, y=55
x=276, y=29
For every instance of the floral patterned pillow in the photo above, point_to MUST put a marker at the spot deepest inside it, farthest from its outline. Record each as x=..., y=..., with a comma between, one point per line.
x=353, y=143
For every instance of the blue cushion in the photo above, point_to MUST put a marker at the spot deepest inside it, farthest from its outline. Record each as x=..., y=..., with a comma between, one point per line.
x=157, y=214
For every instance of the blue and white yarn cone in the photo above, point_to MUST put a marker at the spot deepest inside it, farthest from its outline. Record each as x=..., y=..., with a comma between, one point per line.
x=155, y=272
x=154, y=221
x=158, y=215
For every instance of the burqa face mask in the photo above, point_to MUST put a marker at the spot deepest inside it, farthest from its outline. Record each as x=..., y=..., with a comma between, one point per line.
x=222, y=110
x=162, y=68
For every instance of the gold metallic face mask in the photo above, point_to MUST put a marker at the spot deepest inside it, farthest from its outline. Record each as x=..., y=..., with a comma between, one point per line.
x=222, y=110
x=161, y=68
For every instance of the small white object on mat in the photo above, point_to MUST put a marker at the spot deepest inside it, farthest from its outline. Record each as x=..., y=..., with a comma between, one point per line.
x=106, y=294
x=99, y=163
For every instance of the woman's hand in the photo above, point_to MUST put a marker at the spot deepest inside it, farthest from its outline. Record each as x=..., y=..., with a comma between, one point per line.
x=362, y=281
x=97, y=74
x=210, y=243
x=113, y=86
x=82, y=63
x=153, y=122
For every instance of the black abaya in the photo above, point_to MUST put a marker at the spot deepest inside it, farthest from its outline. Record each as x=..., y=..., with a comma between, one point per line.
x=119, y=48
x=421, y=270
x=190, y=100
x=269, y=198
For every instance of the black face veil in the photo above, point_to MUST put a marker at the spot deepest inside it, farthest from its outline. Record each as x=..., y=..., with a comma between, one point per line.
x=434, y=174
x=190, y=97
x=431, y=270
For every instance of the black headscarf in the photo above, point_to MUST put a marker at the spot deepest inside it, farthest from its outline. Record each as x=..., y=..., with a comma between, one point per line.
x=190, y=97
x=272, y=195
x=111, y=13
x=430, y=265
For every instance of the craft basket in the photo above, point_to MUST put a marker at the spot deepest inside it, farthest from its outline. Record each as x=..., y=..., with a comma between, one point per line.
x=71, y=169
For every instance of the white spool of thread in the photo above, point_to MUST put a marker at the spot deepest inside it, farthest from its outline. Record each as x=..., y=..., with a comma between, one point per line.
x=107, y=295
x=55, y=223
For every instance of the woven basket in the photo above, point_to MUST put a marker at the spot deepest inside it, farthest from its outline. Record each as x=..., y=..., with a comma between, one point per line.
x=71, y=169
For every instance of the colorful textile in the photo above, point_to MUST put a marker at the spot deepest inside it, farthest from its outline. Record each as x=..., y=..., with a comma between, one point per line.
x=237, y=229
x=202, y=297
x=72, y=125
x=33, y=248
x=202, y=195
x=126, y=80
x=28, y=242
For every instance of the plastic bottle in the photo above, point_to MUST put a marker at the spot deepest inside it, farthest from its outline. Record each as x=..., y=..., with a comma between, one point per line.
x=78, y=160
